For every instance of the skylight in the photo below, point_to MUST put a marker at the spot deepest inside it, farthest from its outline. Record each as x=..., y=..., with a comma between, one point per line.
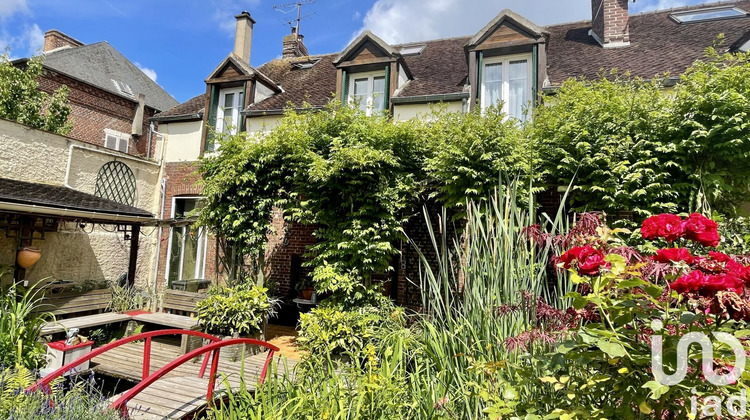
x=306, y=64
x=412, y=49
x=713, y=13
x=123, y=88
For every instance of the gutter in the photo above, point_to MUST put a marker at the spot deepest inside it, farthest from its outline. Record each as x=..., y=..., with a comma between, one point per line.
x=75, y=214
x=448, y=97
x=668, y=82
x=172, y=118
x=277, y=111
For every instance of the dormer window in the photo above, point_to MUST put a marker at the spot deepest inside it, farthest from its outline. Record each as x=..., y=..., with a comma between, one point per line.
x=367, y=91
x=228, y=112
x=507, y=82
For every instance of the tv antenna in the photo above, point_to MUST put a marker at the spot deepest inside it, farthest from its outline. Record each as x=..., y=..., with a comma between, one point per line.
x=291, y=7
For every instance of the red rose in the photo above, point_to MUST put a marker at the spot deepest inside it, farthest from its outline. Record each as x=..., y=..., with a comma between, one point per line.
x=669, y=255
x=589, y=260
x=667, y=226
x=707, y=284
x=701, y=229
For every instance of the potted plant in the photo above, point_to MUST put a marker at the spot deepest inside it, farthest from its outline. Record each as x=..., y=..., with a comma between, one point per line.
x=305, y=288
x=238, y=311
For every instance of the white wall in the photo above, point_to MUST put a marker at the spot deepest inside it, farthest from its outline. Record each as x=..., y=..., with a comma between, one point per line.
x=183, y=140
x=262, y=124
x=75, y=253
x=404, y=112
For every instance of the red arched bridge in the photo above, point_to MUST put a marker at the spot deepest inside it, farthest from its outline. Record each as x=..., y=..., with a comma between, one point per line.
x=179, y=388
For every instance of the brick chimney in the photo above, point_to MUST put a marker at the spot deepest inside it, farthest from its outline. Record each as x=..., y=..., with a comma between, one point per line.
x=243, y=36
x=293, y=46
x=609, y=23
x=55, y=40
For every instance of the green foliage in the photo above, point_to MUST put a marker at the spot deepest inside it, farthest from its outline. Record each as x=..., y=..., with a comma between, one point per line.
x=79, y=401
x=358, y=179
x=608, y=136
x=20, y=326
x=23, y=102
x=467, y=151
x=330, y=330
x=128, y=298
x=631, y=146
x=735, y=235
x=239, y=310
x=711, y=131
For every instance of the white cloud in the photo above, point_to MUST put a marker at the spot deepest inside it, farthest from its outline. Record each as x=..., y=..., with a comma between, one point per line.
x=226, y=10
x=34, y=38
x=413, y=20
x=9, y=7
x=151, y=73
x=357, y=16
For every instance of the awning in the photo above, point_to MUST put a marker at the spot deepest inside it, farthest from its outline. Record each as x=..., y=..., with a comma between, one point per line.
x=62, y=202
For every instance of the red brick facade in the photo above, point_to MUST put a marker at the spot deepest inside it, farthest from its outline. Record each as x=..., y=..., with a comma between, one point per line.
x=610, y=21
x=94, y=109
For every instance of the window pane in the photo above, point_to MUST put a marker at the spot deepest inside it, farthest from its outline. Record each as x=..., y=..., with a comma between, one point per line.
x=228, y=100
x=174, y=256
x=361, y=93
x=493, y=84
x=518, y=88
x=123, y=146
x=378, y=93
x=190, y=253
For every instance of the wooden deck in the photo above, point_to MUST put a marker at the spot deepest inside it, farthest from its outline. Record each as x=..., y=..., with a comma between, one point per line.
x=180, y=393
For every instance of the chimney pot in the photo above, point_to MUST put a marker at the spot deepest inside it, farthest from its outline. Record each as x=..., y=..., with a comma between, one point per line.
x=243, y=36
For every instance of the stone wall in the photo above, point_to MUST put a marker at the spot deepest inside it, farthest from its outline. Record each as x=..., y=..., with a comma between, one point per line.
x=75, y=252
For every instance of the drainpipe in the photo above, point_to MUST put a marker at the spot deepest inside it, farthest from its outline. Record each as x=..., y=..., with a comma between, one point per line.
x=158, y=238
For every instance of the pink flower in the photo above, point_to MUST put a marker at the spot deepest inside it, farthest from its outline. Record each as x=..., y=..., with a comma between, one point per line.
x=669, y=255
x=701, y=229
x=589, y=260
x=667, y=226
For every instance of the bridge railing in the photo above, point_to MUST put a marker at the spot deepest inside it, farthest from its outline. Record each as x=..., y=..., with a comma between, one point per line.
x=213, y=348
x=209, y=351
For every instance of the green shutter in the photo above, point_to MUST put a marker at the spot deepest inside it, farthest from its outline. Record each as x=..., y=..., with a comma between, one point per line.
x=213, y=105
x=344, y=87
x=479, y=75
x=241, y=119
x=387, y=86
x=534, y=75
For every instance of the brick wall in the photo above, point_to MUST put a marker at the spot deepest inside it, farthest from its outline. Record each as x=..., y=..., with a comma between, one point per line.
x=94, y=109
x=287, y=241
x=182, y=180
x=609, y=21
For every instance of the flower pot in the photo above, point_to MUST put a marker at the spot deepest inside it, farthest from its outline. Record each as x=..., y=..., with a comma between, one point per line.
x=28, y=256
x=307, y=293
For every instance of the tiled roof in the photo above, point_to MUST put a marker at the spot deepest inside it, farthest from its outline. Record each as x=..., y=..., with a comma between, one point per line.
x=190, y=110
x=20, y=192
x=657, y=45
x=100, y=63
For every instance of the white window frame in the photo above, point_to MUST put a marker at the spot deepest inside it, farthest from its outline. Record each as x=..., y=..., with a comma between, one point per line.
x=370, y=76
x=237, y=107
x=506, y=60
x=122, y=140
x=200, y=269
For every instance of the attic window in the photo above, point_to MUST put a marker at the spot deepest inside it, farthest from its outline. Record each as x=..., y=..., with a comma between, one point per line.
x=123, y=88
x=412, y=49
x=745, y=47
x=306, y=64
x=712, y=13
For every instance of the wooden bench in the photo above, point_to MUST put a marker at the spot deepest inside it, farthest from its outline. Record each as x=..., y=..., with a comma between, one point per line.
x=177, y=311
x=78, y=310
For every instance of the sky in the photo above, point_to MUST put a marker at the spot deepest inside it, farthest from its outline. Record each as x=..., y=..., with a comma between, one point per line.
x=179, y=42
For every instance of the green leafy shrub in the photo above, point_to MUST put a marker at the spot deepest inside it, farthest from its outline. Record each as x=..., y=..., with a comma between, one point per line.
x=21, y=99
x=333, y=330
x=21, y=324
x=128, y=298
x=239, y=310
